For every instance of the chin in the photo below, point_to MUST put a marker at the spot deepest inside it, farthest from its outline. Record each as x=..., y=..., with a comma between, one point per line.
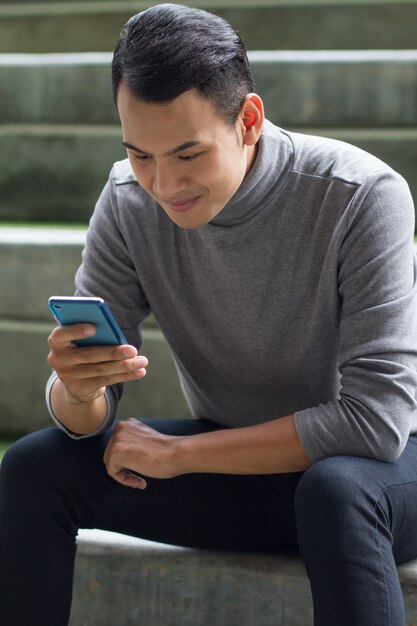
x=189, y=224
x=190, y=220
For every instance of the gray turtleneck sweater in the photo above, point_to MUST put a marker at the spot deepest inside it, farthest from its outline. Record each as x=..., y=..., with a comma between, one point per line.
x=298, y=298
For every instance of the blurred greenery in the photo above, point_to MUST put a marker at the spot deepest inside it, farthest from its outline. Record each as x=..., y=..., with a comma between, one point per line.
x=75, y=226
x=4, y=444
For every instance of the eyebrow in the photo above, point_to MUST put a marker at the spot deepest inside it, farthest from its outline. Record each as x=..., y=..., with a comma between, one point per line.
x=183, y=146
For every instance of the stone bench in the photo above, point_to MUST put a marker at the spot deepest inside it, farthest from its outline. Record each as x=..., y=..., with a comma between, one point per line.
x=130, y=582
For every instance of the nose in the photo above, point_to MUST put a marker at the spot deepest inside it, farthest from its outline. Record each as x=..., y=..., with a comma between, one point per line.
x=168, y=182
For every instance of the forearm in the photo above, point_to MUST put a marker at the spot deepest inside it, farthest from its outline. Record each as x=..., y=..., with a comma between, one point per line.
x=269, y=448
x=78, y=417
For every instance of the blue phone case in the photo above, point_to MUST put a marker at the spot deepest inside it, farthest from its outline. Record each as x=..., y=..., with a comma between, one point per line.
x=77, y=310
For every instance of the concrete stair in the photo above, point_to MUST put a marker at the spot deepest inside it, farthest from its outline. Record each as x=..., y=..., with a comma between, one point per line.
x=36, y=263
x=94, y=25
x=59, y=132
x=130, y=582
x=342, y=68
x=59, y=135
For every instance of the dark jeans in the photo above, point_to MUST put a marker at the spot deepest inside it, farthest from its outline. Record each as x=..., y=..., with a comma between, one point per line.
x=352, y=518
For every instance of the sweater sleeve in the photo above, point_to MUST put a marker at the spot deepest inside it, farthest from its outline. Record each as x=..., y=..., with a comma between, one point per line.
x=377, y=286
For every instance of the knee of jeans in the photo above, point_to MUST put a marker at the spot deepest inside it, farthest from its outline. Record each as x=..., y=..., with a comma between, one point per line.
x=331, y=490
x=30, y=457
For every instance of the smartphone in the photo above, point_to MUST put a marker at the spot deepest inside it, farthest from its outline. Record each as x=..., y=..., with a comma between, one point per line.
x=77, y=310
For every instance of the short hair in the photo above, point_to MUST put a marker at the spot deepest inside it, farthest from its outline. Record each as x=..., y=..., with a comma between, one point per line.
x=169, y=49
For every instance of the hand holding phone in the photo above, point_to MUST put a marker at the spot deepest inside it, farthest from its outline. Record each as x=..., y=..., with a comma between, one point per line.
x=87, y=365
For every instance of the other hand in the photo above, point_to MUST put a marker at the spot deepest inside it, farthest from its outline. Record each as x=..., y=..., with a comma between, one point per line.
x=137, y=447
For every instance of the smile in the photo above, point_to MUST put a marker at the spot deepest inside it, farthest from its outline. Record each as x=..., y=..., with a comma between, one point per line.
x=184, y=205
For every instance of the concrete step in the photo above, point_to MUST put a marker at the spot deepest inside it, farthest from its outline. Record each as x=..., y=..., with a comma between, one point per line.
x=122, y=580
x=373, y=88
x=94, y=25
x=37, y=263
x=24, y=372
x=56, y=173
x=43, y=111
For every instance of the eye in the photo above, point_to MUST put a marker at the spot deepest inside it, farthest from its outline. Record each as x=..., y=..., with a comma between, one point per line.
x=189, y=157
x=141, y=158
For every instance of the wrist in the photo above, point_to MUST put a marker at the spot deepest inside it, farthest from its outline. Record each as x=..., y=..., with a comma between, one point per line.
x=80, y=417
x=74, y=399
x=181, y=455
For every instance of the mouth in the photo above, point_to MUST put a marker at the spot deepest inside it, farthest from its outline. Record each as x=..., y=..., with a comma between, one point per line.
x=183, y=205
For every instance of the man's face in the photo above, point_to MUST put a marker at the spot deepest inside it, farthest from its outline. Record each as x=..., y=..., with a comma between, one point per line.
x=184, y=154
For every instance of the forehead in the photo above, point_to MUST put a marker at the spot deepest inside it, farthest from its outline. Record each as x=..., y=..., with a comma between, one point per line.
x=188, y=117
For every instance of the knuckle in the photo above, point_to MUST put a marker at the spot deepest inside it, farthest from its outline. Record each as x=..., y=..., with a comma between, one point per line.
x=102, y=370
x=50, y=359
x=54, y=334
x=82, y=355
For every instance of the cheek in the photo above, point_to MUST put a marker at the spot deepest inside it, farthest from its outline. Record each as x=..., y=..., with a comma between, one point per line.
x=140, y=173
x=230, y=174
x=220, y=174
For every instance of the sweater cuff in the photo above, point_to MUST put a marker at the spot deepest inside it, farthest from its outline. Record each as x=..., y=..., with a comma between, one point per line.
x=108, y=421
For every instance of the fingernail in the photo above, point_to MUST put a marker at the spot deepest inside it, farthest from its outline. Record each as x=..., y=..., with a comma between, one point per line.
x=89, y=330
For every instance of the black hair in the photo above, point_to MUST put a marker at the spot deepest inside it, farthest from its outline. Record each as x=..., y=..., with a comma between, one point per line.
x=170, y=48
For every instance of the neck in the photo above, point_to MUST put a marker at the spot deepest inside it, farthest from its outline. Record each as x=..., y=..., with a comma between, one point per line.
x=250, y=157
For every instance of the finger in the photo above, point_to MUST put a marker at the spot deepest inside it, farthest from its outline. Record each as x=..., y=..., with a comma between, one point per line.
x=102, y=354
x=64, y=336
x=61, y=335
x=119, y=473
x=80, y=388
x=65, y=359
x=133, y=368
x=126, y=478
x=135, y=480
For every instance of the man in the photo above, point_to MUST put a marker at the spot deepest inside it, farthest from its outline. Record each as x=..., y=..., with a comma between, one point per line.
x=280, y=268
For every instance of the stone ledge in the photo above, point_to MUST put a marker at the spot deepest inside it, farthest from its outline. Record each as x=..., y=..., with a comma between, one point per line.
x=123, y=580
x=322, y=88
x=271, y=24
x=36, y=264
x=32, y=8
x=37, y=190
x=157, y=395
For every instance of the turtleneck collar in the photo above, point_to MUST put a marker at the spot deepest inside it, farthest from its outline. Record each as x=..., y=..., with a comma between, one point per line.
x=267, y=175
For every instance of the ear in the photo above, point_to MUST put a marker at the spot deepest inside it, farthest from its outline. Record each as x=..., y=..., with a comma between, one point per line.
x=251, y=118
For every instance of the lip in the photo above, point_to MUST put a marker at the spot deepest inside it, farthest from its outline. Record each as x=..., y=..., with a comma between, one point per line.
x=184, y=205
